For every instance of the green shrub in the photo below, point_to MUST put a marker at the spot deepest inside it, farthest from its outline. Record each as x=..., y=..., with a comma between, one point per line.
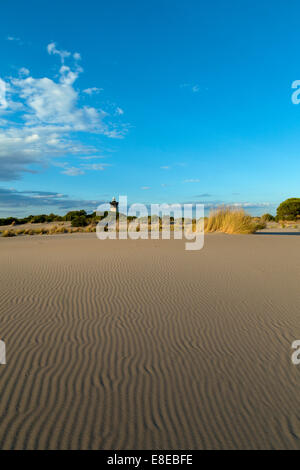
x=39, y=219
x=261, y=225
x=79, y=221
x=289, y=209
x=268, y=218
x=8, y=221
x=74, y=214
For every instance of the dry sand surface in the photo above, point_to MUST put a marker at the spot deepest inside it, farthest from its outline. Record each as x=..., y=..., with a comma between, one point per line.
x=141, y=344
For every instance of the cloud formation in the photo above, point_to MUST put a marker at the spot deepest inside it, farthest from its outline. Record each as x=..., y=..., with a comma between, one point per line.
x=15, y=202
x=69, y=170
x=42, y=118
x=3, y=102
x=52, y=49
x=219, y=203
x=92, y=90
x=73, y=171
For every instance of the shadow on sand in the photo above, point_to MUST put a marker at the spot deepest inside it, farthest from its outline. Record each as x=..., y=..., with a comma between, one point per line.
x=278, y=233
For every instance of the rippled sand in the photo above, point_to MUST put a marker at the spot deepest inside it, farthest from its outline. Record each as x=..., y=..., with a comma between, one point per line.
x=141, y=344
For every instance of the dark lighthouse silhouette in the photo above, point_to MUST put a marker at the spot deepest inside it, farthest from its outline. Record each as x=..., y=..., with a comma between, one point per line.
x=114, y=205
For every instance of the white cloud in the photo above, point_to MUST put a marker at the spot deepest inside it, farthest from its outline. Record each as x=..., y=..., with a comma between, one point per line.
x=32, y=138
x=145, y=188
x=52, y=49
x=82, y=168
x=250, y=205
x=73, y=171
x=24, y=71
x=68, y=77
x=119, y=111
x=77, y=56
x=166, y=167
x=192, y=181
x=49, y=102
x=91, y=157
x=3, y=102
x=94, y=166
x=90, y=91
x=42, y=118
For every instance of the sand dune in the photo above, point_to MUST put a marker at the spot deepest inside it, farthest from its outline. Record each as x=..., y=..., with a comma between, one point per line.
x=143, y=345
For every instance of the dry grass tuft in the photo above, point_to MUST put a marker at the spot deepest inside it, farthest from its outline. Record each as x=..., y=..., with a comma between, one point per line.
x=90, y=228
x=61, y=229
x=29, y=231
x=8, y=233
x=230, y=220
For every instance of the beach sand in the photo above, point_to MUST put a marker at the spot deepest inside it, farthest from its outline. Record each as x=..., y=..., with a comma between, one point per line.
x=143, y=345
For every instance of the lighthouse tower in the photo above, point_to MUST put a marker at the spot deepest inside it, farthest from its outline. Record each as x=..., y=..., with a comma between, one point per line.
x=114, y=205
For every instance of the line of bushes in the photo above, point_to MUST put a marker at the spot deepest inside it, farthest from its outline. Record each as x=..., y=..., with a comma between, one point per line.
x=82, y=218
x=48, y=231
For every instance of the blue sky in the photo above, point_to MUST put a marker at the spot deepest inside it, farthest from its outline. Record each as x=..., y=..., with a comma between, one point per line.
x=161, y=100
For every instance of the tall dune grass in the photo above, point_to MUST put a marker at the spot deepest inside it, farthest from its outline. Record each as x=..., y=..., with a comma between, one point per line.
x=230, y=220
x=8, y=233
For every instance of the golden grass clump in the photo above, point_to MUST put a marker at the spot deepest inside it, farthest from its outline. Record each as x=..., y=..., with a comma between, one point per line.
x=52, y=230
x=230, y=220
x=28, y=231
x=38, y=231
x=8, y=233
x=90, y=228
x=61, y=229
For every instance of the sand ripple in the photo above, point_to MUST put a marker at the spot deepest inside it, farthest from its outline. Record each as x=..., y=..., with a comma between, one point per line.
x=140, y=344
